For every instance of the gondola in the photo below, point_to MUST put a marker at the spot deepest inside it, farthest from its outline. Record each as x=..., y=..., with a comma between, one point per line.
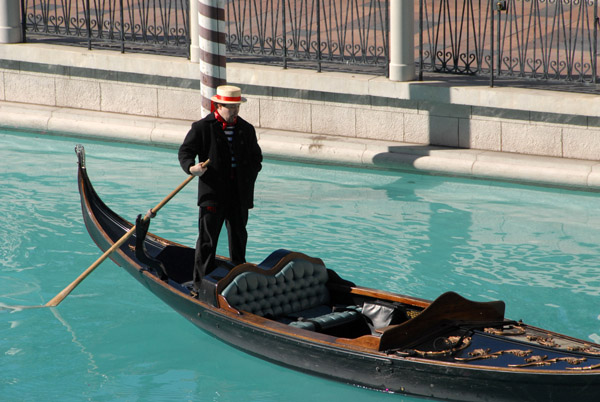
x=292, y=310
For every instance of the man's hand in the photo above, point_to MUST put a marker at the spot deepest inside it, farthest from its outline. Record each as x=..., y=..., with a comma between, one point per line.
x=198, y=169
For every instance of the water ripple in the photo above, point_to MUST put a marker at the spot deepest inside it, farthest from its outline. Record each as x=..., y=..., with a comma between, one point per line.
x=534, y=248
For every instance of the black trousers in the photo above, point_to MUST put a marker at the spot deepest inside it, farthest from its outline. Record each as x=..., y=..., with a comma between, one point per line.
x=210, y=223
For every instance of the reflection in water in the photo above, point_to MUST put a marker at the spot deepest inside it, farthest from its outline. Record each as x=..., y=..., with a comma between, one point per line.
x=419, y=235
x=92, y=366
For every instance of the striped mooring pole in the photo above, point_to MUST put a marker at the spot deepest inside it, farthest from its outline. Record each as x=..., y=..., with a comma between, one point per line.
x=211, y=35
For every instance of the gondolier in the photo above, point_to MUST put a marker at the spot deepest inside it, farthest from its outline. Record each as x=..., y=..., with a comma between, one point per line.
x=226, y=185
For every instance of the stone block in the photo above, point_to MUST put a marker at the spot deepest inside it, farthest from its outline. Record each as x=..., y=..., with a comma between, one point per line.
x=28, y=117
x=302, y=146
x=594, y=177
x=179, y=104
x=78, y=94
x=581, y=144
x=333, y=150
x=129, y=99
x=394, y=105
x=296, y=95
x=254, y=90
x=594, y=122
x=442, y=165
x=281, y=115
x=379, y=125
x=170, y=134
x=443, y=131
x=412, y=90
x=102, y=124
x=480, y=134
x=28, y=88
x=445, y=109
x=333, y=120
x=556, y=118
x=416, y=128
x=532, y=140
x=250, y=111
x=492, y=113
x=353, y=84
x=533, y=169
x=346, y=100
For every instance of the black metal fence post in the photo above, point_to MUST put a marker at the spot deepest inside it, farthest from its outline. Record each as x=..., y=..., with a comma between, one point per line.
x=318, y=36
x=23, y=22
x=188, y=36
x=122, y=27
x=284, y=34
x=420, y=40
x=499, y=8
x=88, y=17
x=595, y=58
x=387, y=39
x=491, y=8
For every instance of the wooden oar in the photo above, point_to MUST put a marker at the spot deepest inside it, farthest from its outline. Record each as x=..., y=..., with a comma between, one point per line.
x=55, y=301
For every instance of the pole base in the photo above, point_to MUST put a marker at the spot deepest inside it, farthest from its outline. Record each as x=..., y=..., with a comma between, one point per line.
x=402, y=72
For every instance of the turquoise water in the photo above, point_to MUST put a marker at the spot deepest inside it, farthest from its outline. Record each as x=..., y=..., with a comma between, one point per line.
x=111, y=340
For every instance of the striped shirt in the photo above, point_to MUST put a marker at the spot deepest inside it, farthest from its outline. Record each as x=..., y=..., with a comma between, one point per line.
x=229, y=131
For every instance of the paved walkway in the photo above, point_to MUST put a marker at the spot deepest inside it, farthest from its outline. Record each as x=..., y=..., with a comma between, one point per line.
x=547, y=171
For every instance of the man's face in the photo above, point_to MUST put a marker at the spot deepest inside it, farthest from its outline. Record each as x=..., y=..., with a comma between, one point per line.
x=229, y=111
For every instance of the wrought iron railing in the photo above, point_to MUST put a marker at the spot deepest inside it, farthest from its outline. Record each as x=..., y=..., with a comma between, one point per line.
x=538, y=39
x=334, y=33
x=133, y=25
x=311, y=33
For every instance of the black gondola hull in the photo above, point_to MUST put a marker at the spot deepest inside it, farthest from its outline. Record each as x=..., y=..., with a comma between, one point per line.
x=408, y=376
x=322, y=356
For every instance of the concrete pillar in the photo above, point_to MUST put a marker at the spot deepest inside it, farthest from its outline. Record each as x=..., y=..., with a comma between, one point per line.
x=194, y=48
x=10, y=21
x=211, y=36
x=402, y=40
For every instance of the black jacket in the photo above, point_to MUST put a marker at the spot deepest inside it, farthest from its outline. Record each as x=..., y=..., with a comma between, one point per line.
x=206, y=140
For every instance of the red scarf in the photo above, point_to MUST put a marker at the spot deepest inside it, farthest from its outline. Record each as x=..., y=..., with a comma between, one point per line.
x=222, y=120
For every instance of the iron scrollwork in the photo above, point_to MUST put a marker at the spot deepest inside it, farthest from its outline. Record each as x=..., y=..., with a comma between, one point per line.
x=538, y=39
x=135, y=24
x=336, y=32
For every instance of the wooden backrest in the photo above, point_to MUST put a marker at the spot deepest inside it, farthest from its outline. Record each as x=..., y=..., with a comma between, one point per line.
x=445, y=312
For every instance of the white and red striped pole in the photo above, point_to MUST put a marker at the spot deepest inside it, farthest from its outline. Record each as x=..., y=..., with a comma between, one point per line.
x=211, y=35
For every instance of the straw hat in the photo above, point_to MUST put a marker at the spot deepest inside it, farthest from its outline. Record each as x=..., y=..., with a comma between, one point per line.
x=228, y=94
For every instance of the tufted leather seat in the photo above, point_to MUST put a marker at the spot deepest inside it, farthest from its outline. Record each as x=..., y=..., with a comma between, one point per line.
x=327, y=321
x=297, y=290
x=300, y=285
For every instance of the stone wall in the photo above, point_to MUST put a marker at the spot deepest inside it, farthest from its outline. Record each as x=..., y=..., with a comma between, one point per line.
x=455, y=112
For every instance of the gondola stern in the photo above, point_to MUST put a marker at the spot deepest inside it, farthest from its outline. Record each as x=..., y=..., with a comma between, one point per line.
x=106, y=227
x=80, y=152
x=92, y=208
